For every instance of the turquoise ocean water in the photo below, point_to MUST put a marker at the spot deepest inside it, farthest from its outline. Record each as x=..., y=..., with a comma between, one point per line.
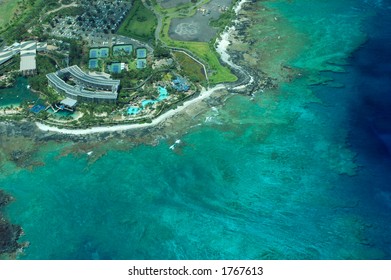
x=301, y=172
x=14, y=96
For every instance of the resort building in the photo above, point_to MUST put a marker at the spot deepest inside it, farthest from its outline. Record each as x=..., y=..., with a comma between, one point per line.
x=5, y=55
x=28, y=64
x=28, y=52
x=85, y=87
x=180, y=84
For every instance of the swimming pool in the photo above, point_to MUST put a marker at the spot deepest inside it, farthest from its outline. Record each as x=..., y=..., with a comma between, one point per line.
x=147, y=102
x=60, y=114
x=133, y=110
x=163, y=93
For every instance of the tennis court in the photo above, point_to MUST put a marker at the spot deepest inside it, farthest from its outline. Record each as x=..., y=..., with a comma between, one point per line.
x=37, y=108
x=93, y=63
x=141, y=53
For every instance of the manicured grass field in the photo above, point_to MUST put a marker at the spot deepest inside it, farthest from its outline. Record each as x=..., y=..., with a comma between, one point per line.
x=140, y=23
x=203, y=50
x=7, y=9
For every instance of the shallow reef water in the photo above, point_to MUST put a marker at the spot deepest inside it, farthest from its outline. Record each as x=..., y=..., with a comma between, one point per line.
x=300, y=172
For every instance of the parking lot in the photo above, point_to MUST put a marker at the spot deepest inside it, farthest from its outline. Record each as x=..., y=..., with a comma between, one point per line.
x=197, y=28
x=99, y=20
x=172, y=3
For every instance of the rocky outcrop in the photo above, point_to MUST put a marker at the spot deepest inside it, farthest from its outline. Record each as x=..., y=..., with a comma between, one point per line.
x=9, y=233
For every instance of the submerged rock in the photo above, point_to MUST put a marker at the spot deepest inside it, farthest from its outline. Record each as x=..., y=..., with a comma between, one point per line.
x=9, y=233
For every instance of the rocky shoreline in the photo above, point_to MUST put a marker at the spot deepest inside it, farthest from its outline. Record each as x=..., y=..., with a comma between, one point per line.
x=250, y=79
x=244, y=71
x=259, y=81
x=9, y=233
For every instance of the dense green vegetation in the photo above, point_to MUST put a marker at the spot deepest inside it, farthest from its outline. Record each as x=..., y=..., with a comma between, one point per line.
x=25, y=17
x=140, y=23
x=224, y=20
x=7, y=10
x=39, y=82
x=192, y=69
x=78, y=52
x=132, y=78
x=25, y=14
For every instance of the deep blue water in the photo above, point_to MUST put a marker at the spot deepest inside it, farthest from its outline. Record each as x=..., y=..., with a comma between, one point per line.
x=367, y=97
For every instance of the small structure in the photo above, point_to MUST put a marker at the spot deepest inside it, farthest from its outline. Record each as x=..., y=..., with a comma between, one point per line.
x=69, y=104
x=42, y=46
x=27, y=50
x=180, y=84
x=28, y=64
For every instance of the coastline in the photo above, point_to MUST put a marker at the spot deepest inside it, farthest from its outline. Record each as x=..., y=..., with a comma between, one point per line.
x=245, y=79
x=100, y=129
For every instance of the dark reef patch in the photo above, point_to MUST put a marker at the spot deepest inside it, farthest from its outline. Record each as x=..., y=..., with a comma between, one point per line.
x=9, y=233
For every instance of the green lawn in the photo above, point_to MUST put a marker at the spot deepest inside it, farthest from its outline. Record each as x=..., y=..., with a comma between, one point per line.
x=7, y=9
x=191, y=68
x=202, y=50
x=140, y=23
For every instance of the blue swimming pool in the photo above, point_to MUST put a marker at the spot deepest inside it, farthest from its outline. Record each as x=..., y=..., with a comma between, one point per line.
x=133, y=110
x=147, y=102
x=163, y=93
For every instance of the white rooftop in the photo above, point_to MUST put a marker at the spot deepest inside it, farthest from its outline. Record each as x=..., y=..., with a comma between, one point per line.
x=27, y=62
x=69, y=102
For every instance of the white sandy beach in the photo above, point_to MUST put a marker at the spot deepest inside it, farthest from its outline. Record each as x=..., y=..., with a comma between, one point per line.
x=203, y=95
